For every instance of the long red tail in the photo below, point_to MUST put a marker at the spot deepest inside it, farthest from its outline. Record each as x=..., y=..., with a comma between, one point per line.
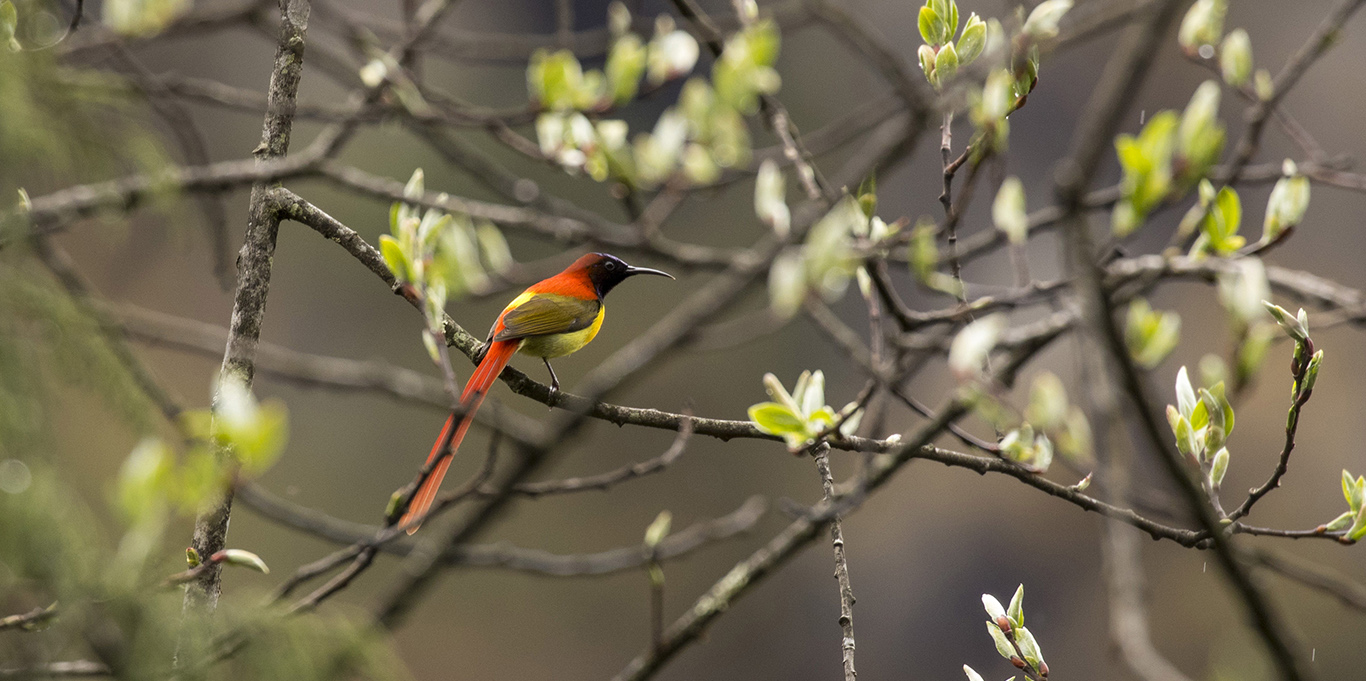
x=478, y=386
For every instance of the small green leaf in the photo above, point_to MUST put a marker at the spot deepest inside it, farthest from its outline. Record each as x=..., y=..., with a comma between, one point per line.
x=143, y=481
x=1311, y=374
x=1042, y=23
x=1030, y=647
x=1358, y=528
x=1352, y=491
x=1016, y=609
x=973, y=40
x=770, y=204
x=1008, y=210
x=1202, y=25
x=1003, y=646
x=1340, y=522
x=672, y=53
x=416, y=185
x=1235, y=58
x=9, y=22
x=1287, y=204
x=625, y=66
x=246, y=559
x=931, y=26
x=945, y=64
x=992, y=606
x=969, y=349
x=658, y=530
x=776, y=419
x=1290, y=324
x=1218, y=467
x=1185, y=394
x=1263, y=85
x=972, y=675
x=1047, y=402
x=812, y=397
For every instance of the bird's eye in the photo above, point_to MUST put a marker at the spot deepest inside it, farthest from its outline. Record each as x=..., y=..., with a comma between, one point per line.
x=611, y=265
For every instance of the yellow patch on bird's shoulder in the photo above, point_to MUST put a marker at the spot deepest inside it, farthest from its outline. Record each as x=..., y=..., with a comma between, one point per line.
x=519, y=300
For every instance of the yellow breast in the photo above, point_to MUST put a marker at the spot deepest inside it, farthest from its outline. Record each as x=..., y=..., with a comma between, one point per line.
x=560, y=344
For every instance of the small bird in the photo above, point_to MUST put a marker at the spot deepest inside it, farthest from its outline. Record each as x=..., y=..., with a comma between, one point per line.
x=552, y=318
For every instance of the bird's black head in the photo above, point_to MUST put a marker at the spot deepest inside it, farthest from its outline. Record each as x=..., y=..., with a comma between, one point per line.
x=606, y=271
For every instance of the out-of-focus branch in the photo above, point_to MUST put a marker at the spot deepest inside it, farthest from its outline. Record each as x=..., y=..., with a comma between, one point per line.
x=52, y=670
x=801, y=532
x=1118, y=86
x=29, y=621
x=1324, y=37
x=504, y=555
x=1347, y=592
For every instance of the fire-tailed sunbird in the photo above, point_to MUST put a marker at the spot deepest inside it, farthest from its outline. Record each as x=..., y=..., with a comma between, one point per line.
x=552, y=318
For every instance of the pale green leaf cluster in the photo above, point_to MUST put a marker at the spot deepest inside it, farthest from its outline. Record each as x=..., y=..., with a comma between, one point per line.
x=770, y=198
x=1304, y=364
x=1201, y=423
x=154, y=481
x=1008, y=211
x=802, y=415
x=969, y=350
x=658, y=529
x=1287, y=204
x=1296, y=326
x=829, y=258
x=1168, y=157
x=256, y=433
x=1235, y=58
x=1025, y=447
x=940, y=57
x=438, y=253
x=1043, y=21
x=1219, y=217
x=1242, y=288
x=1007, y=629
x=1202, y=26
x=694, y=140
x=1150, y=334
x=1048, y=424
x=1354, y=520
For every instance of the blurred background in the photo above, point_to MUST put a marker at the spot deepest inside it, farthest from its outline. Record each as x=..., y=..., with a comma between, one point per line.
x=921, y=552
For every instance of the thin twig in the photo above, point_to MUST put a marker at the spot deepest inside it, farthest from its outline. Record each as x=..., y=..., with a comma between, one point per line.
x=822, y=456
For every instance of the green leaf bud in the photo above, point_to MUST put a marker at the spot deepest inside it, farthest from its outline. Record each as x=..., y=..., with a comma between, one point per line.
x=945, y=64
x=1042, y=23
x=1008, y=210
x=1203, y=25
x=973, y=40
x=1218, y=468
x=242, y=558
x=1235, y=58
x=969, y=349
x=1015, y=611
x=931, y=26
x=658, y=530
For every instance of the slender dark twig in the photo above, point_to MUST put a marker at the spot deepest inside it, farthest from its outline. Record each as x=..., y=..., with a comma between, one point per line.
x=822, y=456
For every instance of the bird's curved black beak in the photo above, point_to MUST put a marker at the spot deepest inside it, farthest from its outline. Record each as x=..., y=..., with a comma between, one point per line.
x=631, y=271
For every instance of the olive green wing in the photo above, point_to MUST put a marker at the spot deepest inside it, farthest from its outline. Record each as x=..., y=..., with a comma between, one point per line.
x=547, y=314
